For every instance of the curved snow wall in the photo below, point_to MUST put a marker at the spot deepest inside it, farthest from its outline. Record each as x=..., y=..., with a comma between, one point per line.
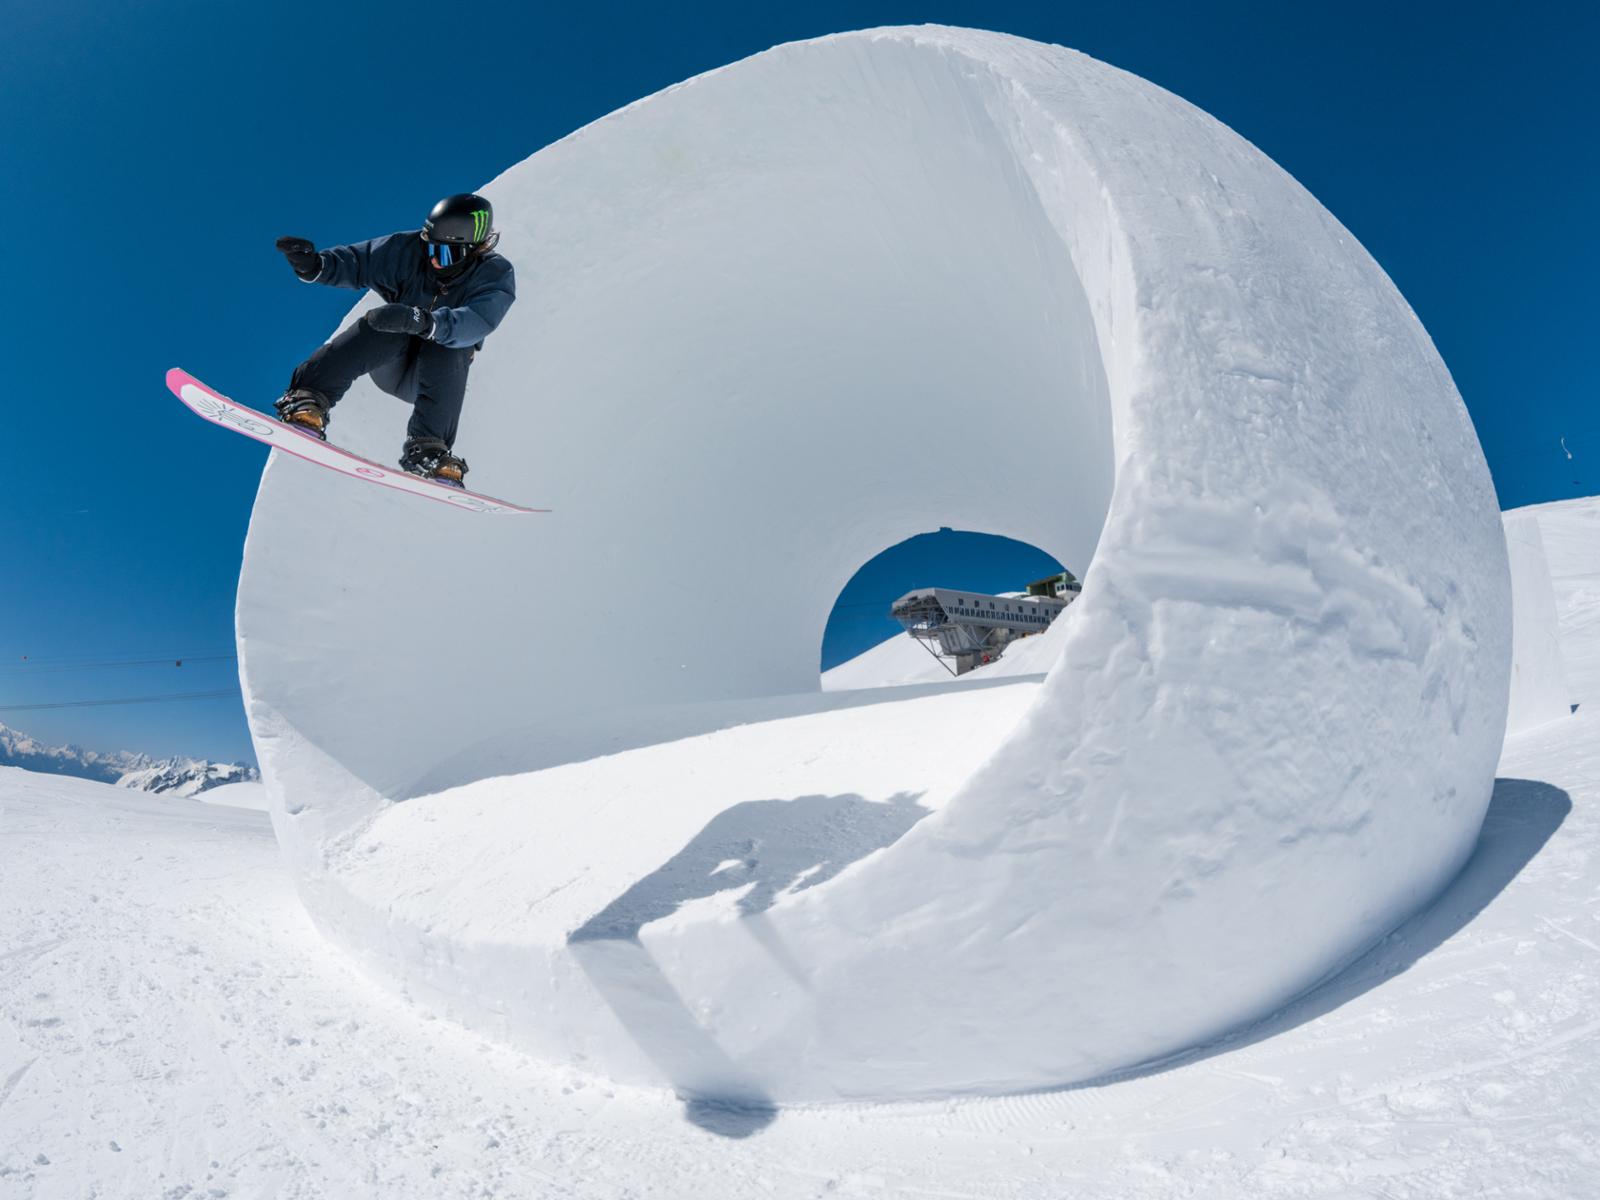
x=793, y=311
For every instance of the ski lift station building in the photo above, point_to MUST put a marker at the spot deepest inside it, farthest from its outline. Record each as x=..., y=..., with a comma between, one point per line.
x=973, y=628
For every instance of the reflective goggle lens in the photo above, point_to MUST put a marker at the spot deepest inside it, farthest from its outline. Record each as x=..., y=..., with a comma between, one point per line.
x=444, y=254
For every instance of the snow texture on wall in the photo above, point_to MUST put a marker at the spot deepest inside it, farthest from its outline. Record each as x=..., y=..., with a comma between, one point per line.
x=796, y=310
x=1539, y=692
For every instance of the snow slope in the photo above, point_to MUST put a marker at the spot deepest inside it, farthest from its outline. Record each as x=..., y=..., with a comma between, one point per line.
x=237, y=795
x=1570, y=533
x=1269, y=728
x=894, y=661
x=1538, y=679
x=172, y=1025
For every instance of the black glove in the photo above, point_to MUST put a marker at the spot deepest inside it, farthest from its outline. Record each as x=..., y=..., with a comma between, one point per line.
x=302, y=256
x=401, y=318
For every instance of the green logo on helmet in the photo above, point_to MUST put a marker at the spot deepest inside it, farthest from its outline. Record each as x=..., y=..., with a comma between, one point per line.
x=480, y=224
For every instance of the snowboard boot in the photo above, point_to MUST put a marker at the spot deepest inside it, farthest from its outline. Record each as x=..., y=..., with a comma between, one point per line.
x=305, y=410
x=431, y=459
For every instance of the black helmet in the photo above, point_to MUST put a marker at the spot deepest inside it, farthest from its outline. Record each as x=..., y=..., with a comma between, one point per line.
x=457, y=227
x=466, y=220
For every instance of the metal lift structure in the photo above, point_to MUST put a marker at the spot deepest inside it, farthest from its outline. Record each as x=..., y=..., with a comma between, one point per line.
x=973, y=629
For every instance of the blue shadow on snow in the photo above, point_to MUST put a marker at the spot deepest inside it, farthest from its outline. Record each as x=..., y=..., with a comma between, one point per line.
x=1522, y=816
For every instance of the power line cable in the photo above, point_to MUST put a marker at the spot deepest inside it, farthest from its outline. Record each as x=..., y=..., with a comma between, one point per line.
x=230, y=693
x=50, y=668
x=25, y=660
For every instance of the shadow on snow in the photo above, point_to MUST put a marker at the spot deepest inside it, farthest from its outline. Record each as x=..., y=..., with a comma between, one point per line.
x=1522, y=816
x=774, y=847
x=767, y=848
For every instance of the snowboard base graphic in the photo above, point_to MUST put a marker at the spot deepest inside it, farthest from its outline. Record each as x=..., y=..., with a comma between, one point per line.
x=219, y=410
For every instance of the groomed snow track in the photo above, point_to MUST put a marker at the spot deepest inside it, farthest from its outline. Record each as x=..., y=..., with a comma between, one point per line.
x=773, y=321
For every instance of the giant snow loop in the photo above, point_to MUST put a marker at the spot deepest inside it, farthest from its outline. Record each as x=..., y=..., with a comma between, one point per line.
x=781, y=317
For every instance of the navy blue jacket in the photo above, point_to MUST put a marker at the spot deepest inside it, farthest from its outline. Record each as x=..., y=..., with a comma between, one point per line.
x=465, y=310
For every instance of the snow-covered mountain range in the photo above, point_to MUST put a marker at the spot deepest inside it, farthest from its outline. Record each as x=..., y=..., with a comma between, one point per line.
x=187, y=776
x=182, y=776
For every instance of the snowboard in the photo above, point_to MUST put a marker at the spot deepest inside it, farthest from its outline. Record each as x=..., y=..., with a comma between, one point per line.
x=219, y=410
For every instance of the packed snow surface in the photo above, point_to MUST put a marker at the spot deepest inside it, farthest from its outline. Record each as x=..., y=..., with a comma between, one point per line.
x=774, y=321
x=237, y=795
x=1539, y=692
x=171, y=1024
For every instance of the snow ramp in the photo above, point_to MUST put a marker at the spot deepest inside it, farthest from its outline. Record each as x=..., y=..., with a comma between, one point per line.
x=772, y=321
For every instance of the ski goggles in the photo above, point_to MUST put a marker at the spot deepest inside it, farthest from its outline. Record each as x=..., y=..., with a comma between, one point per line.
x=447, y=254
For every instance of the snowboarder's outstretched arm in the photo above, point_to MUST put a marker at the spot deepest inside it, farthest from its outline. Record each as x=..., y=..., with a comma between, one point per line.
x=378, y=264
x=474, y=317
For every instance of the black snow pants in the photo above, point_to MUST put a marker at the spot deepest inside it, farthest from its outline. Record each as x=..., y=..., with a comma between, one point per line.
x=432, y=377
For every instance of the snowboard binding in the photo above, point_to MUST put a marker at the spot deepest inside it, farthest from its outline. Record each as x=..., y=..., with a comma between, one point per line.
x=431, y=459
x=304, y=410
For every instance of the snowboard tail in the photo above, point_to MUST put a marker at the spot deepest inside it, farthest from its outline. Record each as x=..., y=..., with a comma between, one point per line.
x=213, y=406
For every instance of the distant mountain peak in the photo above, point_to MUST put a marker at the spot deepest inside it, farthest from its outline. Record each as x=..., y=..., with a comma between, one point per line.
x=187, y=776
x=184, y=777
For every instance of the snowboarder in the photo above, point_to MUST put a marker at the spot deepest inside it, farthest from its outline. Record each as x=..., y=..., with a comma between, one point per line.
x=446, y=290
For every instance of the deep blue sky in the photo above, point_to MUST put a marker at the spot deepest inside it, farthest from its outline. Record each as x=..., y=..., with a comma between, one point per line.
x=150, y=153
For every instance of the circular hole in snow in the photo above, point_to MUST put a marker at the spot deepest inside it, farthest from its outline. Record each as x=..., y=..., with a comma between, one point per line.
x=863, y=646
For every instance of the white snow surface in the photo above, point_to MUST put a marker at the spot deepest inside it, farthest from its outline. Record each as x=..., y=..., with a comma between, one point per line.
x=171, y=1024
x=900, y=660
x=1538, y=679
x=754, y=307
x=237, y=795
